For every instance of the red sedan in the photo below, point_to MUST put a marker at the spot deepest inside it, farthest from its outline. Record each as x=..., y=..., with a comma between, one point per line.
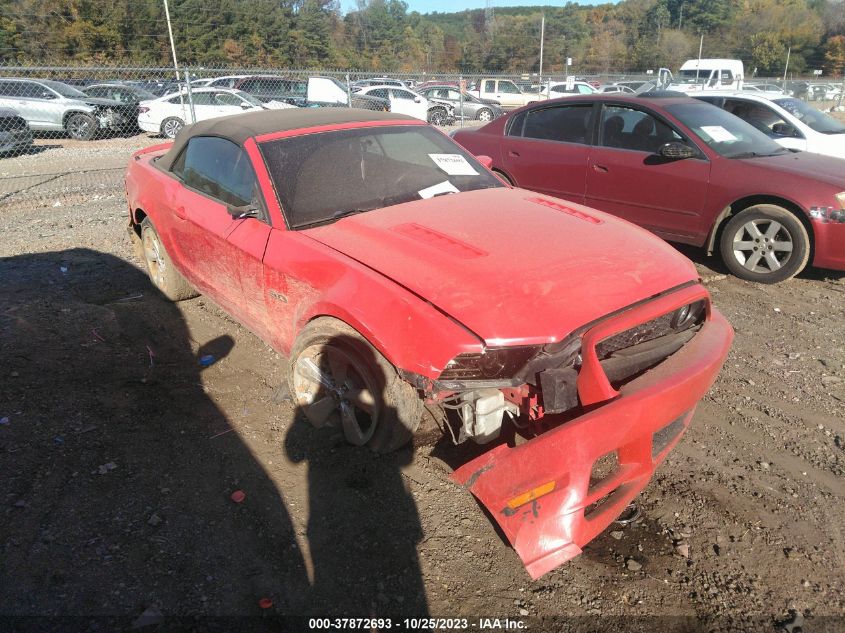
x=397, y=273
x=686, y=170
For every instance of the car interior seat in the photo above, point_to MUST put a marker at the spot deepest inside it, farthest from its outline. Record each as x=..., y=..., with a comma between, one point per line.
x=612, y=131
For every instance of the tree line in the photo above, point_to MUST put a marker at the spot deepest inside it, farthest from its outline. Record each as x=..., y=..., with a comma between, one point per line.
x=383, y=36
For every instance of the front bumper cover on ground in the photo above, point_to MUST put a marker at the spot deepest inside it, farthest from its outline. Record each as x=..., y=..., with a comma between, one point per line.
x=641, y=424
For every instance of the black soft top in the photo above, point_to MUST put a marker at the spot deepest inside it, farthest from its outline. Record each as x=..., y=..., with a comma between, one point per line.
x=240, y=127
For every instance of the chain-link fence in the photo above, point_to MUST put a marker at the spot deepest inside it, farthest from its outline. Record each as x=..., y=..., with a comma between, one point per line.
x=66, y=132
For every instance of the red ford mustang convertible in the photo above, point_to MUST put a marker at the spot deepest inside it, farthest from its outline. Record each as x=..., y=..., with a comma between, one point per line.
x=399, y=275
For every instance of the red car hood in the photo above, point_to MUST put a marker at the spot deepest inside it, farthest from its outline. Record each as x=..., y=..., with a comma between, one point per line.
x=511, y=265
x=815, y=166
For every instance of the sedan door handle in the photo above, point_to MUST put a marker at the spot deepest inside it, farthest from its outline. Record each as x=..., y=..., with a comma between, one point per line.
x=180, y=212
x=600, y=168
x=513, y=153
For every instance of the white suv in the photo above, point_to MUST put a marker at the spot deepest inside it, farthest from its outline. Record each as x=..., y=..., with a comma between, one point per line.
x=54, y=106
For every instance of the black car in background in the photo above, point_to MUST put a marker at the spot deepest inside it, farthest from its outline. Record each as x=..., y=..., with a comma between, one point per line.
x=15, y=135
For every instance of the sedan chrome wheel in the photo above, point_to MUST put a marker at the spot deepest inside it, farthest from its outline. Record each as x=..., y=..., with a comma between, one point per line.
x=170, y=128
x=485, y=115
x=762, y=245
x=332, y=389
x=153, y=254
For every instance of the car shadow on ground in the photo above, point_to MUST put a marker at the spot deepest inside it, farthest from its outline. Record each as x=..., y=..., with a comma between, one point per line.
x=119, y=471
x=116, y=466
x=363, y=525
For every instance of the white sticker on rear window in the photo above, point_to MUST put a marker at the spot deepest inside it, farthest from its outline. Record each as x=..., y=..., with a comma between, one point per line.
x=718, y=133
x=453, y=164
x=439, y=188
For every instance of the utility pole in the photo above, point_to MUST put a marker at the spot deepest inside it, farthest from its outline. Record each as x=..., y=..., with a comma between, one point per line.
x=698, y=66
x=788, y=51
x=542, y=37
x=681, y=17
x=176, y=64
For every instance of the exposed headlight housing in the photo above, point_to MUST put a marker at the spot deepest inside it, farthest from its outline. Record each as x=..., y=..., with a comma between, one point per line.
x=494, y=363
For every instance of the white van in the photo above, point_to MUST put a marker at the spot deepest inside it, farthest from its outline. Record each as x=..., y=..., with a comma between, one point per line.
x=709, y=74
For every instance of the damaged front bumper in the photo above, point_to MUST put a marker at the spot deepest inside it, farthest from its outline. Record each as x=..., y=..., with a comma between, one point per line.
x=546, y=495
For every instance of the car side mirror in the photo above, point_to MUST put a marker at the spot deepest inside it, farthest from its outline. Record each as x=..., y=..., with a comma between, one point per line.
x=245, y=106
x=46, y=94
x=485, y=160
x=784, y=129
x=676, y=151
x=242, y=212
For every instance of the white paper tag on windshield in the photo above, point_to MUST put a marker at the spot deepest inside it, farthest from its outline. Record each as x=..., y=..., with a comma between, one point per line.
x=441, y=187
x=718, y=133
x=453, y=164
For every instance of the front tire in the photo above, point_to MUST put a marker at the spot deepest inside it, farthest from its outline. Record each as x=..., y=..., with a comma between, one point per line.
x=160, y=267
x=437, y=116
x=765, y=243
x=81, y=127
x=485, y=114
x=338, y=379
x=171, y=126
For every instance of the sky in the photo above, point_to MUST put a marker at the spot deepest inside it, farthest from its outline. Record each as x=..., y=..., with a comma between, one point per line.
x=452, y=6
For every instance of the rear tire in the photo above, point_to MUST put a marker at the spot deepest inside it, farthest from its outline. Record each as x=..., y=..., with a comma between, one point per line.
x=338, y=379
x=765, y=243
x=485, y=114
x=160, y=267
x=81, y=127
x=171, y=126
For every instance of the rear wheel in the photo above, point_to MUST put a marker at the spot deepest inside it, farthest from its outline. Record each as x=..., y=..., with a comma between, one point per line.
x=170, y=126
x=338, y=379
x=81, y=127
x=485, y=114
x=160, y=267
x=765, y=243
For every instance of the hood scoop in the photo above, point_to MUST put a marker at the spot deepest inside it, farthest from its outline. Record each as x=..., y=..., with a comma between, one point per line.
x=440, y=241
x=575, y=213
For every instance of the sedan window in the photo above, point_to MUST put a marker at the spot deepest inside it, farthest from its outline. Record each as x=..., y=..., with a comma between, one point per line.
x=761, y=117
x=218, y=168
x=368, y=168
x=568, y=124
x=627, y=128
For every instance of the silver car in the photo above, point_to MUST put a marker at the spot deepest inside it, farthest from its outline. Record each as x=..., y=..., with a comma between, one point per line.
x=473, y=107
x=54, y=106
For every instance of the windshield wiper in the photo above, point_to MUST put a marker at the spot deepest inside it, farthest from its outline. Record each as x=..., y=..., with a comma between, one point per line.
x=759, y=154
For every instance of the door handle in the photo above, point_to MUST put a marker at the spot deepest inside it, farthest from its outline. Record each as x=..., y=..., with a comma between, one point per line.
x=180, y=212
x=513, y=153
x=600, y=168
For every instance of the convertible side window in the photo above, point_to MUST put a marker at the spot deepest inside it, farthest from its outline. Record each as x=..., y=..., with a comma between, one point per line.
x=566, y=124
x=218, y=168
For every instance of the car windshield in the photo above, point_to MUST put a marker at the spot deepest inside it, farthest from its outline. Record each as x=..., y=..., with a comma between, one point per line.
x=325, y=176
x=65, y=90
x=248, y=97
x=808, y=115
x=693, y=76
x=723, y=132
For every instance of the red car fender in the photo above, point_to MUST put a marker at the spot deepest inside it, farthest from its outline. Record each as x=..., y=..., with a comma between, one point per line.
x=411, y=333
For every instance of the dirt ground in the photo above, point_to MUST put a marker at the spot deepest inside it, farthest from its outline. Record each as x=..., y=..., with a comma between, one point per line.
x=119, y=453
